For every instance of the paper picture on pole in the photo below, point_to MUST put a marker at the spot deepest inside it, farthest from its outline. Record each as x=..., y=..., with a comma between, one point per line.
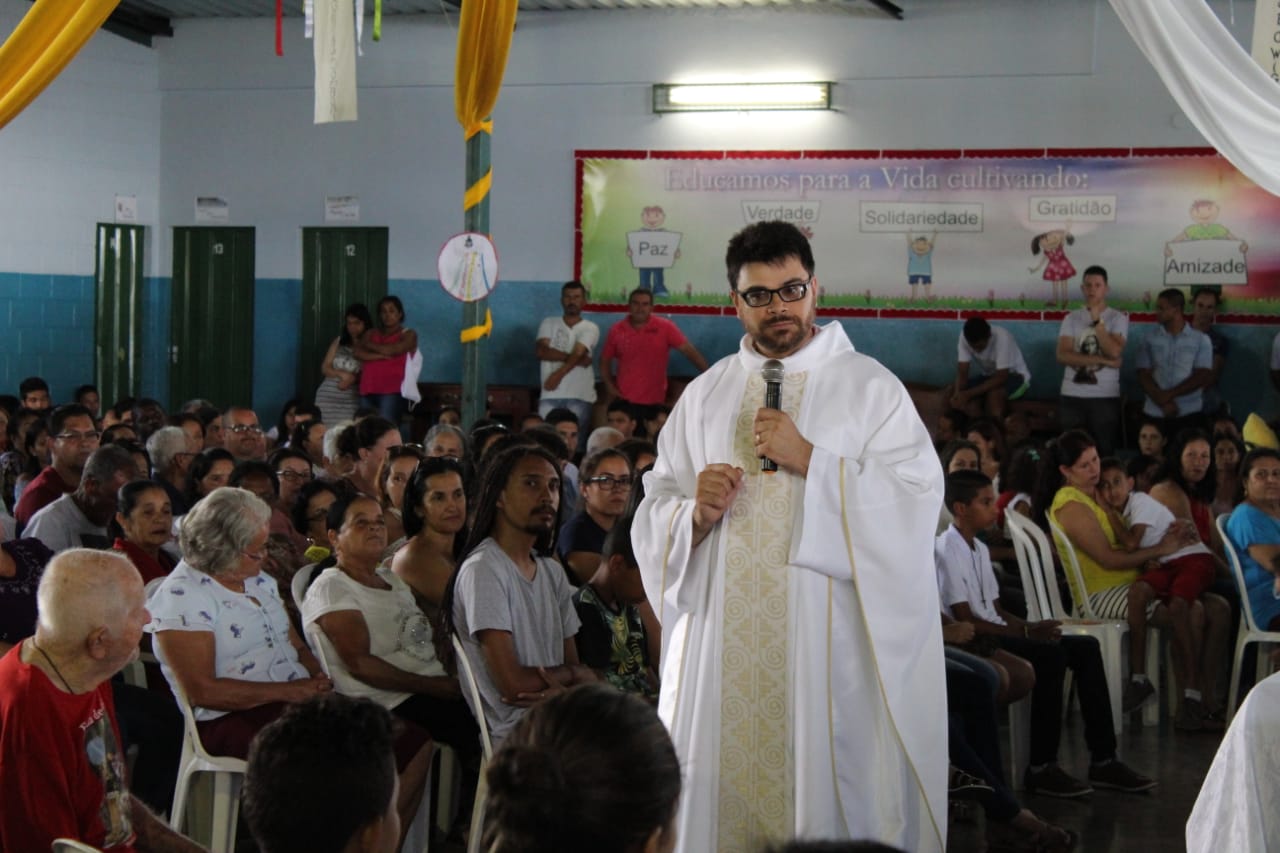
x=468, y=266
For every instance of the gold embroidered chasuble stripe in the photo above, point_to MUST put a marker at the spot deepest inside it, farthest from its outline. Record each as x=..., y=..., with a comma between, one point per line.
x=757, y=756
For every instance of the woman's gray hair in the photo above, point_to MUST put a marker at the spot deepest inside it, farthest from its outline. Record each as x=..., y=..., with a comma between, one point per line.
x=443, y=429
x=218, y=530
x=164, y=445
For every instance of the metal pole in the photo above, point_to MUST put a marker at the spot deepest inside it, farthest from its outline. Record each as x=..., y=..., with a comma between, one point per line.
x=475, y=218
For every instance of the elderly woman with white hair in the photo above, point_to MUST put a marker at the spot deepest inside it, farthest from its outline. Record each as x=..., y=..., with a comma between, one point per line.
x=221, y=631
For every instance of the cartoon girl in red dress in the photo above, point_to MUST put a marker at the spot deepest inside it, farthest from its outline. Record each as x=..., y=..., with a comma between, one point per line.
x=1057, y=268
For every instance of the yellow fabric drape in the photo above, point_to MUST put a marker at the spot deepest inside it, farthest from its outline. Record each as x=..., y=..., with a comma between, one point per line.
x=49, y=36
x=484, y=38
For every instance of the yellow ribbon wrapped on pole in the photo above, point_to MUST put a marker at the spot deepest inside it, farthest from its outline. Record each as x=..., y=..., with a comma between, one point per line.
x=485, y=29
x=48, y=37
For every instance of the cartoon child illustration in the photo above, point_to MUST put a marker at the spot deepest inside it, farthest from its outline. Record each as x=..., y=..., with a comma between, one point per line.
x=1057, y=268
x=1205, y=226
x=657, y=247
x=920, y=263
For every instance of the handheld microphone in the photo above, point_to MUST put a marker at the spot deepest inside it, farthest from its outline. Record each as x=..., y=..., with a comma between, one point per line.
x=772, y=373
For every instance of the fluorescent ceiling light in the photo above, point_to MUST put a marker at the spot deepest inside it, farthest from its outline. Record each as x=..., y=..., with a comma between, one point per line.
x=712, y=97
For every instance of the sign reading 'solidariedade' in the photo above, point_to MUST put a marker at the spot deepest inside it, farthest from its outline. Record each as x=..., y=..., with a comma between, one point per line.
x=949, y=229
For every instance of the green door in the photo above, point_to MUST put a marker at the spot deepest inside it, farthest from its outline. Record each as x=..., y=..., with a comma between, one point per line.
x=117, y=313
x=211, y=331
x=339, y=266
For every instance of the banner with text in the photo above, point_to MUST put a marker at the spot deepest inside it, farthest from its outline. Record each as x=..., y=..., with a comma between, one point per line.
x=948, y=227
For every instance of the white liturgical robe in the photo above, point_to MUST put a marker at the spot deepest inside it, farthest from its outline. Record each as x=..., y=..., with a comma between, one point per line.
x=802, y=666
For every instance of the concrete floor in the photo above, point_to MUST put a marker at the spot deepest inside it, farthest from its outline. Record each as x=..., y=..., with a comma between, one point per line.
x=1110, y=821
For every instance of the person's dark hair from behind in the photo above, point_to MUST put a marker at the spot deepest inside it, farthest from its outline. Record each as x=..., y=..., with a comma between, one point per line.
x=319, y=774
x=546, y=436
x=635, y=448
x=963, y=486
x=1022, y=469
x=799, y=846
x=976, y=331
x=592, y=770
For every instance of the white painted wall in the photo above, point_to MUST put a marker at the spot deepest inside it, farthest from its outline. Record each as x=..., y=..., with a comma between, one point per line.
x=956, y=73
x=93, y=133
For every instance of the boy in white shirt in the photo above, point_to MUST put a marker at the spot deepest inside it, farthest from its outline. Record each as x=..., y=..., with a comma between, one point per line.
x=1177, y=581
x=970, y=593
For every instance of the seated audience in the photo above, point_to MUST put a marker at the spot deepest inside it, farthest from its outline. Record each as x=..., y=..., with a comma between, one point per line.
x=192, y=426
x=616, y=640
x=365, y=443
x=36, y=457
x=990, y=369
x=87, y=396
x=14, y=463
x=118, y=432
x=148, y=416
x=62, y=758
x=34, y=392
x=210, y=470
x=985, y=434
x=1227, y=453
x=532, y=420
x=565, y=422
x=655, y=419
x=393, y=475
x=974, y=746
x=309, y=510
x=435, y=520
x=1151, y=438
x=322, y=779
x=308, y=438
x=952, y=424
x=1177, y=581
x=555, y=785
x=445, y=440
x=293, y=471
x=22, y=562
x=145, y=517
x=80, y=519
x=602, y=438
x=212, y=420
x=1018, y=482
x=621, y=415
x=1254, y=530
x=641, y=453
x=606, y=483
x=970, y=593
x=172, y=449
x=375, y=642
x=74, y=437
x=508, y=602
x=221, y=630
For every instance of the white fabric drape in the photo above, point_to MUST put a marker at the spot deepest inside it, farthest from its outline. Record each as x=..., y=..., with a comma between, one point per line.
x=1227, y=96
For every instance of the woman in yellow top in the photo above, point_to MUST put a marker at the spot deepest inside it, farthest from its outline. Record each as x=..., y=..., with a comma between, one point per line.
x=1069, y=493
x=1069, y=480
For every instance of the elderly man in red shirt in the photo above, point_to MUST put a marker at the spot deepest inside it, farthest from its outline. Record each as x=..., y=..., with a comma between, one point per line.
x=641, y=344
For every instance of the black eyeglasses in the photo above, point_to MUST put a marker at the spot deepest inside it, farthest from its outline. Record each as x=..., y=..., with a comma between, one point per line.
x=605, y=481
x=759, y=297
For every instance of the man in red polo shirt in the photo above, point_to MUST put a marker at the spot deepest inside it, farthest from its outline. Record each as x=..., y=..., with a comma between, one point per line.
x=641, y=344
x=74, y=438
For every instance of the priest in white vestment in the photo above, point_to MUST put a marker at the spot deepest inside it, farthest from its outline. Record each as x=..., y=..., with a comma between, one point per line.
x=802, y=666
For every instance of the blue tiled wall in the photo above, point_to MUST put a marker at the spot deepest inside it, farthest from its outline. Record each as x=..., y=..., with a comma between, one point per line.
x=46, y=328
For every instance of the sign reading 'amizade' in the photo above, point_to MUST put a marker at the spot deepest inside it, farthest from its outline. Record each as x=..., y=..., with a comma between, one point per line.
x=1194, y=261
x=969, y=225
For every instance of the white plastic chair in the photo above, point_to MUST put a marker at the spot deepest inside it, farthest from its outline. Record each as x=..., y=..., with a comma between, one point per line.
x=1035, y=558
x=70, y=845
x=228, y=776
x=301, y=580
x=1249, y=632
x=472, y=692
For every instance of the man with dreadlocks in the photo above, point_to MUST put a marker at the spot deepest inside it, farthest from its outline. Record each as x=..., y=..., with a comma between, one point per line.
x=508, y=602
